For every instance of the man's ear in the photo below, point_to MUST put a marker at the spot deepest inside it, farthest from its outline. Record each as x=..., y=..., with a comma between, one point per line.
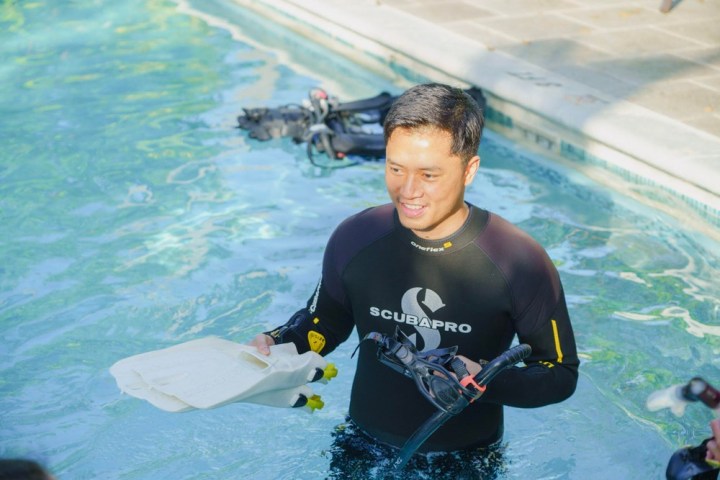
x=471, y=169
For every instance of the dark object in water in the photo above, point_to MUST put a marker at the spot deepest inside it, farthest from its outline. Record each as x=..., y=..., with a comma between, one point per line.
x=328, y=126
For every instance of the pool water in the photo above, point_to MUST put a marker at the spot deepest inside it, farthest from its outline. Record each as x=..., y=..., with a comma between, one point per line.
x=134, y=216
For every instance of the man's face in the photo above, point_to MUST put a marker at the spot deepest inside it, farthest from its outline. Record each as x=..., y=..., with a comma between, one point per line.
x=426, y=182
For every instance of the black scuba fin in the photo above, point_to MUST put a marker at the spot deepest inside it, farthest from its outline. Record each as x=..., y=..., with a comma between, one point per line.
x=689, y=464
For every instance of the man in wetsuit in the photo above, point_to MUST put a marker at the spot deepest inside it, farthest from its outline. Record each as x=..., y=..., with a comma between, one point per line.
x=447, y=273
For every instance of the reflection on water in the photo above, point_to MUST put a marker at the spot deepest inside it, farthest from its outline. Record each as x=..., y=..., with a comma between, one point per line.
x=135, y=216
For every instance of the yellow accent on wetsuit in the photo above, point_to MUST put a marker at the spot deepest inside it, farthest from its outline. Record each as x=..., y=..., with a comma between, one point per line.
x=557, y=341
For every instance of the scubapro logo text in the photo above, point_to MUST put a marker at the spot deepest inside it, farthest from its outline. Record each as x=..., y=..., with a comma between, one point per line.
x=414, y=320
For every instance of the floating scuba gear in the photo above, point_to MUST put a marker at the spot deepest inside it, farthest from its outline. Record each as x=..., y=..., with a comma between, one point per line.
x=211, y=372
x=337, y=130
x=689, y=462
x=441, y=377
x=677, y=397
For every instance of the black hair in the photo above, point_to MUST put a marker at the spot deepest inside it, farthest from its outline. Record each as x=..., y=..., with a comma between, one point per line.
x=440, y=106
x=21, y=469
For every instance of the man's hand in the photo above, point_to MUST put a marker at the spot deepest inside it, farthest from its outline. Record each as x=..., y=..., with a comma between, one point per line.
x=473, y=368
x=263, y=343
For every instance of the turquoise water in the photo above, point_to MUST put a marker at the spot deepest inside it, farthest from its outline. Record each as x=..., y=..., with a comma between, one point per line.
x=134, y=216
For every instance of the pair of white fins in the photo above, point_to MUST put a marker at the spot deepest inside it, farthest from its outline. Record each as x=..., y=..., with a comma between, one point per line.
x=211, y=372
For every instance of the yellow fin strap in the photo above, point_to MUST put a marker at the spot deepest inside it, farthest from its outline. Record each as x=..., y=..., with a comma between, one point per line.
x=314, y=403
x=331, y=371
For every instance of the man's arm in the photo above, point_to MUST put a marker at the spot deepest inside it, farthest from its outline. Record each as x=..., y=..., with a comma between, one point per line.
x=551, y=372
x=326, y=321
x=321, y=326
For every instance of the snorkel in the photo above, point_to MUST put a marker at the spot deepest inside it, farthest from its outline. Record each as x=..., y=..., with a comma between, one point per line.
x=441, y=377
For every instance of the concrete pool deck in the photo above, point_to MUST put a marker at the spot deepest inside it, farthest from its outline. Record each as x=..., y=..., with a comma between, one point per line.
x=616, y=89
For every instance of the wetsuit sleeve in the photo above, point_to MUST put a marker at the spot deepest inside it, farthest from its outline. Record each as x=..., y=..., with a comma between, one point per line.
x=327, y=320
x=551, y=372
x=321, y=326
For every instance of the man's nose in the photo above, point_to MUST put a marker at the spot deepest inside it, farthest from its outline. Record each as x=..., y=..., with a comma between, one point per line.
x=410, y=187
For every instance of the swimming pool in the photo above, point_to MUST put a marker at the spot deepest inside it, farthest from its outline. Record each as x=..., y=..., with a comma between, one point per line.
x=134, y=216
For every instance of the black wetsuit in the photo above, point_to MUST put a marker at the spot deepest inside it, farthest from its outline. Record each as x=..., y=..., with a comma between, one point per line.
x=476, y=289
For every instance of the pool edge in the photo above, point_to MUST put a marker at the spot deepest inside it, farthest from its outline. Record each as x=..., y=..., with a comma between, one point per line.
x=581, y=127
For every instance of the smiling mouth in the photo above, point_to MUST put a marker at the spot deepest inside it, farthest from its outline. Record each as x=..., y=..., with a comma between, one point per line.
x=412, y=210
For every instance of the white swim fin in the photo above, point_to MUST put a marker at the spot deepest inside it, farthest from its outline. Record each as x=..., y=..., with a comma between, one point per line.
x=131, y=383
x=212, y=372
x=298, y=397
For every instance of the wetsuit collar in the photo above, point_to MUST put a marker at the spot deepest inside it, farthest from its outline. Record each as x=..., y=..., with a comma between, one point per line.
x=474, y=224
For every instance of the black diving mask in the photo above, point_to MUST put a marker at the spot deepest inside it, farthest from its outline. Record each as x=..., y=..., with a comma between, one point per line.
x=431, y=370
